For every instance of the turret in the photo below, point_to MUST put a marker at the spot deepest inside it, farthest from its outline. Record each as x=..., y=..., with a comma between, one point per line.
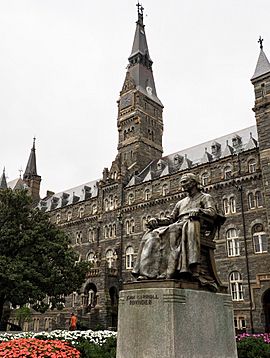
x=30, y=176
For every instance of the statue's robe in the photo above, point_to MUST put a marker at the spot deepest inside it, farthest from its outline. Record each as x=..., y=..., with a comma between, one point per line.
x=175, y=244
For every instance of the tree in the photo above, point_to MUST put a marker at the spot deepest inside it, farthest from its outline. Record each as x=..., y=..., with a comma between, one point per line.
x=36, y=259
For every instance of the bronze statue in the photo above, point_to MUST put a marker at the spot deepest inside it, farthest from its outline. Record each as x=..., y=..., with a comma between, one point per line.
x=171, y=247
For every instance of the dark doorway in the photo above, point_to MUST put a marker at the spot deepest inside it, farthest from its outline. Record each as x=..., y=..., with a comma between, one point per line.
x=266, y=308
x=114, y=306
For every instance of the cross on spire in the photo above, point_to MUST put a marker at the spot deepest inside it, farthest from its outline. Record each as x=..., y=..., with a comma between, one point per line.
x=260, y=41
x=140, y=8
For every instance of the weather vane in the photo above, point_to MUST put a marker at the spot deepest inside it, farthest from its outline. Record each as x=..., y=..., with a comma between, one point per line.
x=261, y=42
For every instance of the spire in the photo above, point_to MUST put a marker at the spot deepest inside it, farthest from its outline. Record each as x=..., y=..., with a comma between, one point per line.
x=263, y=65
x=140, y=64
x=3, y=181
x=31, y=168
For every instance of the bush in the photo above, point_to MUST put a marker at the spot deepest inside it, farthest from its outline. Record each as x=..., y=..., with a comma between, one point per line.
x=253, y=347
x=91, y=350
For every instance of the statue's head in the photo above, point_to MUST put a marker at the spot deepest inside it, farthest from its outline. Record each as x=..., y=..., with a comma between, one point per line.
x=189, y=180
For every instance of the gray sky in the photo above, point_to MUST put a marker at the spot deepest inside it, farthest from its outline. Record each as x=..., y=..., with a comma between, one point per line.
x=63, y=63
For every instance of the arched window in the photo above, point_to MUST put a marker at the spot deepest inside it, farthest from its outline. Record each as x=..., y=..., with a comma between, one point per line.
x=144, y=221
x=251, y=201
x=226, y=207
x=106, y=204
x=227, y=172
x=236, y=286
x=129, y=257
x=165, y=189
x=78, y=237
x=74, y=298
x=205, y=179
x=69, y=215
x=36, y=324
x=113, y=230
x=91, y=235
x=90, y=296
x=233, y=247
x=106, y=232
x=115, y=202
x=94, y=208
x=91, y=257
x=132, y=226
x=110, y=258
x=58, y=218
x=258, y=199
x=127, y=227
x=81, y=212
x=130, y=198
x=260, y=241
x=232, y=204
x=147, y=194
x=162, y=215
x=252, y=166
x=111, y=202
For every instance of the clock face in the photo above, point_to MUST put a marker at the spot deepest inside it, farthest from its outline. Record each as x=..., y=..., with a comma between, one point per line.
x=126, y=101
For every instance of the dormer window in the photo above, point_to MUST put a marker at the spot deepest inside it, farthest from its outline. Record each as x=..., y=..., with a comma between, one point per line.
x=236, y=141
x=160, y=165
x=216, y=149
x=227, y=172
x=177, y=159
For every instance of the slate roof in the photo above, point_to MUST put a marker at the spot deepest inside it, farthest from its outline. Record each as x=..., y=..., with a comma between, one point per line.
x=262, y=67
x=31, y=168
x=17, y=183
x=70, y=196
x=210, y=151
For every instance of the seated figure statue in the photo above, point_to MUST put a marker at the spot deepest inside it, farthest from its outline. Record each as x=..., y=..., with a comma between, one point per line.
x=172, y=245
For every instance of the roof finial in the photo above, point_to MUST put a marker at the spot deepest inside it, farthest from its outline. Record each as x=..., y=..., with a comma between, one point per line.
x=20, y=170
x=34, y=142
x=140, y=12
x=260, y=41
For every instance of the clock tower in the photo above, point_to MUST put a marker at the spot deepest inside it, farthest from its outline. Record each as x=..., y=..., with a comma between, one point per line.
x=140, y=124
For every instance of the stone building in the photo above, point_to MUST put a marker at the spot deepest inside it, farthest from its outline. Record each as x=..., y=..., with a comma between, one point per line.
x=106, y=218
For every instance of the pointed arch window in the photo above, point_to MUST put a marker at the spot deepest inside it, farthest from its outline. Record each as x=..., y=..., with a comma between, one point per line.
x=258, y=199
x=129, y=257
x=94, y=209
x=233, y=245
x=252, y=166
x=147, y=194
x=130, y=198
x=79, y=237
x=205, y=179
x=232, y=204
x=226, y=207
x=227, y=172
x=236, y=286
x=69, y=215
x=81, y=212
x=91, y=257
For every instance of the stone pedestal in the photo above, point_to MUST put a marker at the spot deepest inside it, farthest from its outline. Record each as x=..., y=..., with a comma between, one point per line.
x=171, y=322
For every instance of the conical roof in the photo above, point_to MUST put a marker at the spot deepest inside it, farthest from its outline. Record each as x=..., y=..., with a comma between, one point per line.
x=262, y=67
x=31, y=168
x=3, y=180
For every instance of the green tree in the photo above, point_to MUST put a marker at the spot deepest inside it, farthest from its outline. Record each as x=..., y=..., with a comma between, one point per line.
x=35, y=256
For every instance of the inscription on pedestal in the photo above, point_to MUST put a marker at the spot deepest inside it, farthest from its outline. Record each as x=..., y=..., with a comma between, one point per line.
x=142, y=299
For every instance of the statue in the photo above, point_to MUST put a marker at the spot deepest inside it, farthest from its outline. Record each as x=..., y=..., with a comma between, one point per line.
x=171, y=248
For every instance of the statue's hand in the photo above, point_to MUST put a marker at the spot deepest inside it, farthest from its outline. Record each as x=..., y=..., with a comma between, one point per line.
x=194, y=213
x=152, y=223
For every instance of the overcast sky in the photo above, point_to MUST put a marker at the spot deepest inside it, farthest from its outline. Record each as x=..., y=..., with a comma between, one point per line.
x=63, y=63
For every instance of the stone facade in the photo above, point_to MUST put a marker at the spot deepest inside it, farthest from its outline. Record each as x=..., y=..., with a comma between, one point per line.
x=106, y=218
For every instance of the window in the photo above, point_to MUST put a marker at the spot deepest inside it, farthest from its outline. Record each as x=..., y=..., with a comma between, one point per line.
x=227, y=172
x=36, y=324
x=258, y=199
x=78, y=237
x=129, y=257
x=232, y=243
x=81, y=212
x=130, y=198
x=226, y=207
x=106, y=204
x=260, y=241
x=232, y=204
x=106, y=231
x=251, y=201
x=240, y=323
x=205, y=179
x=165, y=189
x=115, y=202
x=47, y=323
x=69, y=215
x=111, y=202
x=91, y=257
x=130, y=226
x=91, y=235
x=252, y=166
x=236, y=286
x=147, y=194
x=94, y=208
x=58, y=218
x=110, y=258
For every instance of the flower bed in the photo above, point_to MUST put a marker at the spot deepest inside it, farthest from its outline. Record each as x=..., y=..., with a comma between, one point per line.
x=33, y=347
x=253, y=345
x=58, y=343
